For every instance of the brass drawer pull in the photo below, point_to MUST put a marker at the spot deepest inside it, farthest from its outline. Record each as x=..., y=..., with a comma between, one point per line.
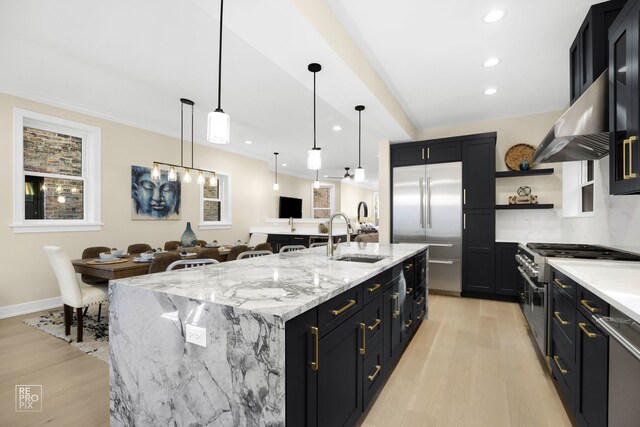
x=583, y=326
x=420, y=315
x=560, y=319
x=625, y=175
x=585, y=304
x=408, y=266
x=350, y=304
x=420, y=301
x=375, y=373
x=559, y=283
x=316, y=363
x=363, y=328
x=374, y=288
x=409, y=291
x=562, y=370
x=396, y=312
x=409, y=322
x=375, y=325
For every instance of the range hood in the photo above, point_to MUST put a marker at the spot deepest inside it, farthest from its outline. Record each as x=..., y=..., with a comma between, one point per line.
x=582, y=133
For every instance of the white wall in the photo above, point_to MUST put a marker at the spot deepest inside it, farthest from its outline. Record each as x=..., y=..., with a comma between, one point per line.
x=26, y=274
x=351, y=195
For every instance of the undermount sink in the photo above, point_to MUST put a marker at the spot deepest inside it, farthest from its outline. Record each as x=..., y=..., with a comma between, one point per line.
x=369, y=259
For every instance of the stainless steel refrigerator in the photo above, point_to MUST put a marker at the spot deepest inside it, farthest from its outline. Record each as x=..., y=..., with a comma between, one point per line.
x=427, y=208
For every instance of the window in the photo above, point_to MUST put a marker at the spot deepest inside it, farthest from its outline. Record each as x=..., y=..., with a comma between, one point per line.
x=323, y=201
x=587, y=186
x=56, y=175
x=578, y=188
x=215, y=204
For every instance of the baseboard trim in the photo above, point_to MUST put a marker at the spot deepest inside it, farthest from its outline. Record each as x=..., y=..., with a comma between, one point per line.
x=443, y=292
x=30, y=307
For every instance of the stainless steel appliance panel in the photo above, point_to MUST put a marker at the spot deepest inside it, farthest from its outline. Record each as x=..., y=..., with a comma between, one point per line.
x=409, y=204
x=443, y=202
x=445, y=275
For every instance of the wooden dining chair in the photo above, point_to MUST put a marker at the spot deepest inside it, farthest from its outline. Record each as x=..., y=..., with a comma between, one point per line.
x=257, y=238
x=138, y=248
x=75, y=294
x=201, y=243
x=162, y=261
x=94, y=252
x=263, y=247
x=253, y=254
x=191, y=263
x=209, y=253
x=172, y=245
x=235, y=251
x=291, y=248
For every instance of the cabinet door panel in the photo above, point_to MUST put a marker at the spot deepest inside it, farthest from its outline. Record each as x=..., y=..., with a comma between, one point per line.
x=478, y=260
x=593, y=366
x=574, y=63
x=506, y=268
x=340, y=375
x=391, y=324
x=442, y=152
x=408, y=154
x=479, y=173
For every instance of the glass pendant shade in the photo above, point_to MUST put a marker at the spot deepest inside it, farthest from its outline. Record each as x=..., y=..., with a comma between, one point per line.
x=155, y=172
x=218, y=127
x=61, y=199
x=213, y=181
x=359, y=175
x=314, y=159
x=201, y=178
x=276, y=186
x=187, y=177
x=316, y=184
x=173, y=176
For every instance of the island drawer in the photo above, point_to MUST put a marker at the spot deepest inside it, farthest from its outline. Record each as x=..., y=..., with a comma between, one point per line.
x=564, y=371
x=420, y=308
x=564, y=284
x=563, y=323
x=374, y=287
x=589, y=304
x=334, y=312
x=374, y=372
x=373, y=321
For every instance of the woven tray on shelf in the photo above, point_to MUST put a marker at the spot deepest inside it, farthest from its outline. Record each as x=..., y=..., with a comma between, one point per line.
x=517, y=154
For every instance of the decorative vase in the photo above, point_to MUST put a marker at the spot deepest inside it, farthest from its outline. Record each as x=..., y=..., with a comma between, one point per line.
x=188, y=238
x=524, y=166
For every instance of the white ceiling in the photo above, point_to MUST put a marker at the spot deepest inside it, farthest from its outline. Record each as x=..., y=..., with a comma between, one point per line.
x=132, y=61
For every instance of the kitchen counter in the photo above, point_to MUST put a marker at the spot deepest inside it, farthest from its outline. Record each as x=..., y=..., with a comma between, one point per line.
x=616, y=282
x=297, y=232
x=238, y=378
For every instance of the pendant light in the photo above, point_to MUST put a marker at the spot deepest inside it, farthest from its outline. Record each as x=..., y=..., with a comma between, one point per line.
x=276, y=187
x=314, y=157
x=316, y=183
x=219, y=122
x=213, y=180
x=359, y=175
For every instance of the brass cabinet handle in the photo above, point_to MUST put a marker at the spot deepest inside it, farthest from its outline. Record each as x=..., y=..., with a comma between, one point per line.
x=375, y=325
x=420, y=315
x=396, y=312
x=562, y=370
x=583, y=326
x=338, y=312
x=420, y=301
x=408, y=323
x=374, y=288
x=586, y=305
x=316, y=363
x=560, y=319
x=409, y=291
x=408, y=266
x=632, y=174
x=559, y=283
x=375, y=373
x=363, y=328
x=625, y=175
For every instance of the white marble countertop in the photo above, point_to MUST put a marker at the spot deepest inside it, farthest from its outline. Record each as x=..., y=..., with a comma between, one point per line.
x=616, y=282
x=280, y=285
x=300, y=232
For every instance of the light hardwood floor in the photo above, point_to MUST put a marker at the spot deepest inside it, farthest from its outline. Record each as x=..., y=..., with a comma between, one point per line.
x=471, y=364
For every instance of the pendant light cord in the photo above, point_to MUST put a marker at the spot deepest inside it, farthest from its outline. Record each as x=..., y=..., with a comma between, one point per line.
x=314, y=110
x=181, y=133
x=359, y=138
x=220, y=57
x=191, y=136
x=276, y=167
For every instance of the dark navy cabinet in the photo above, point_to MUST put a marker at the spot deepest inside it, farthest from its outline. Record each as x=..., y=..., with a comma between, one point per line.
x=506, y=268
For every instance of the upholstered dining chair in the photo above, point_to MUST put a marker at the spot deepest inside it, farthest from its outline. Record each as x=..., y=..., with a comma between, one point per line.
x=263, y=247
x=138, y=248
x=162, y=261
x=191, y=263
x=172, y=245
x=209, y=253
x=235, y=251
x=257, y=238
x=75, y=294
x=94, y=252
x=292, y=248
x=254, y=254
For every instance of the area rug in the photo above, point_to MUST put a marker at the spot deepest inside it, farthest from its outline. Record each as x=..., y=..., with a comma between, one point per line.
x=95, y=340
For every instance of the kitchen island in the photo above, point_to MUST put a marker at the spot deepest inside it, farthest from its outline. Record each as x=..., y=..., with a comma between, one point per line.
x=266, y=320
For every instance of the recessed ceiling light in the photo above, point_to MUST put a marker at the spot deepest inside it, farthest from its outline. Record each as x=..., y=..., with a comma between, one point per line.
x=248, y=142
x=284, y=164
x=491, y=62
x=494, y=16
x=491, y=91
x=337, y=128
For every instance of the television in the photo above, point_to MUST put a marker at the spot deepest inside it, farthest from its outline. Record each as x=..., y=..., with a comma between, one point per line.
x=290, y=207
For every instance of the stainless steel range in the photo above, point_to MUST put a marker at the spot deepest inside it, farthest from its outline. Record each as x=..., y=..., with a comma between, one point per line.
x=535, y=272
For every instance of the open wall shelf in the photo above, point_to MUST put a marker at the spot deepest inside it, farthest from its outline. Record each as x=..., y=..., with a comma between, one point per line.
x=536, y=206
x=529, y=172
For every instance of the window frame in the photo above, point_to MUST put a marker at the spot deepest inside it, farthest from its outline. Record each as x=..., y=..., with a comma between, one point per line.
x=585, y=182
x=332, y=200
x=91, y=143
x=225, y=199
x=573, y=180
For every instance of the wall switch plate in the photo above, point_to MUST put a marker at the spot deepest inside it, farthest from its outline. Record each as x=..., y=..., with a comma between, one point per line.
x=196, y=335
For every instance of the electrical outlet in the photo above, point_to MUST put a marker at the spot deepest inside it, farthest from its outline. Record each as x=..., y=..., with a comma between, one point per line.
x=196, y=335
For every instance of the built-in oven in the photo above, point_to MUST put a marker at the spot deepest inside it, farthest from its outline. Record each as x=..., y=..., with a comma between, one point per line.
x=533, y=298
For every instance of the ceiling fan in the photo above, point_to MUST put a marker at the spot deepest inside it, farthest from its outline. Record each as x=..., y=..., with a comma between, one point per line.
x=346, y=176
